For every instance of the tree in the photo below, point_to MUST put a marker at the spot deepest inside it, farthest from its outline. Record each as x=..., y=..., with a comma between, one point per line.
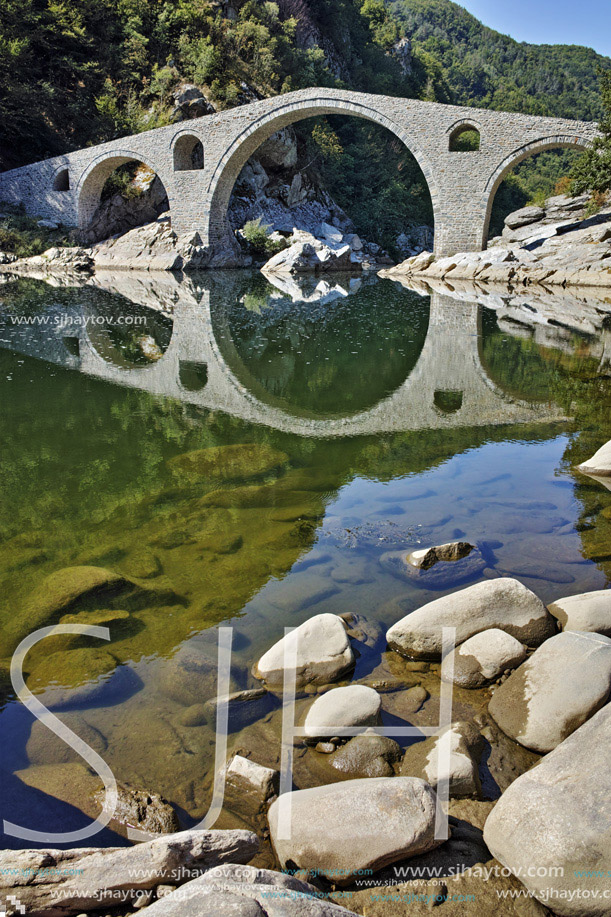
x=593, y=170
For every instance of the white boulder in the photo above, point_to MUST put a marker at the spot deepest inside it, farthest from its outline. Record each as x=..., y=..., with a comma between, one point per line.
x=501, y=603
x=555, y=691
x=320, y=648
x=481, y=659
x=354, y=705
x=340, y=829
x=590, y=611
x=552, y=826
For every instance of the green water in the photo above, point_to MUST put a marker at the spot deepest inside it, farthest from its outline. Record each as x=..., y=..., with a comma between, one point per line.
x=370, y=418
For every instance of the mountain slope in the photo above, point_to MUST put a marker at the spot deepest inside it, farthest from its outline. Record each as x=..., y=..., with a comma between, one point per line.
x=484, y=68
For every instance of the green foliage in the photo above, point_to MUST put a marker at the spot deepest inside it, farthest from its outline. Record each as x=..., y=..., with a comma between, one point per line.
x=593, y=170
x=22, y=236
x=258, y=237
x=465, y=142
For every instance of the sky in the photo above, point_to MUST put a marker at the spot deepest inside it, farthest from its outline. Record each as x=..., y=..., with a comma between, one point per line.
x=587, y=22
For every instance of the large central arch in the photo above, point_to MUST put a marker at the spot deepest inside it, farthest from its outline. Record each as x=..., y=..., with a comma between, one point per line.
x=243, y=146
x=533, y=148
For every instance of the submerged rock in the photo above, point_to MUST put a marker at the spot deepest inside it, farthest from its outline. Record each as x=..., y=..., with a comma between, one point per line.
x=367, y=756
x=481, y=659
x=64, y=588
x=560, y=687
x=502, y=603
x=229, y=463
x=590, y=611
x=352, y=706
x=552, y=826
x=140, y=809
x=340, y=829
x=78, y=677
x=453, y=755
x=321, y=650
x=436, y=568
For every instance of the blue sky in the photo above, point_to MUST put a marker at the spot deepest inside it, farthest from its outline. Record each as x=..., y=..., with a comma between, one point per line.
x=586, y=22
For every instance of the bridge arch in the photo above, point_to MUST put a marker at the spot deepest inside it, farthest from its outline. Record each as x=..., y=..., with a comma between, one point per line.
x=560, y=141
x=93, y=178
x=242, y=147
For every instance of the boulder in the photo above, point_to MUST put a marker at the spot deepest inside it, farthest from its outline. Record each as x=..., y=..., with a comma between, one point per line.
x=245, y=707
x=140, y=809
x=481, y=659
x=502, y=603
x=452, y=755
x=60, y=591
x=47, y=224
x=245, y=891
x=322, y=648
x=524, y=216
x=190, y=677
x=424, y=558
x=309, y=256
x=352, y=706
x=249, y=786
x=367, y=756
x=229, y=463
x=436, y=568
x=600, y=463
x=62, y=882
x=340, y=829
x=590, y=611
x=552, y=826
x=560, y=687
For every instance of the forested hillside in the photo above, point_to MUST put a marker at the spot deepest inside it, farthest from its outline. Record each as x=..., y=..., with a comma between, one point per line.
x=79, y=72
x=482, y=67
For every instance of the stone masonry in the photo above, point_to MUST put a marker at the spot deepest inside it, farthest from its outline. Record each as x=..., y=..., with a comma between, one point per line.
x=462, y=185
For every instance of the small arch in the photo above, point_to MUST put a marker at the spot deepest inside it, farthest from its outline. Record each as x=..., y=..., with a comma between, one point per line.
x=464, y=137
x=188, y=153
x=61, y=181
x=192, y=375
x=448, y=401
x=92, y=181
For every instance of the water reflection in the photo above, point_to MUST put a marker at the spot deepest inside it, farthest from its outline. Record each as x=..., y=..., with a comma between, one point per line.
x=319, y=359
x=365, y=417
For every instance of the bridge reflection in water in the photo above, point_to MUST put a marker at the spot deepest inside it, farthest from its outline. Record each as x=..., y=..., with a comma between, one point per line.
x=191, y=347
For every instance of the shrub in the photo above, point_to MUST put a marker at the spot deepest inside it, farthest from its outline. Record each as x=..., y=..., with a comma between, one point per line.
x=257, y=235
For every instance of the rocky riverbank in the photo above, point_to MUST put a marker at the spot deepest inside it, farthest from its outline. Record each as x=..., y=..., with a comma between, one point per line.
x=556, y=244
x=522, y=764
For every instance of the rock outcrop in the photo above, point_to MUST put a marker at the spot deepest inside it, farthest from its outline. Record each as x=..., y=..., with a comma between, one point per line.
x=556, y=245
x=62, y=882
x=451, y=756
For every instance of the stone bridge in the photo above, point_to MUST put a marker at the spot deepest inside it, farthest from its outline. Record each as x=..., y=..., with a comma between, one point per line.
x=447, y=388
x=462, y=184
